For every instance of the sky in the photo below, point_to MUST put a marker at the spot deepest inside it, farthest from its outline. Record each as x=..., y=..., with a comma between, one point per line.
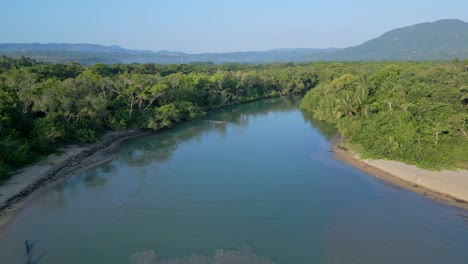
x=216, y=25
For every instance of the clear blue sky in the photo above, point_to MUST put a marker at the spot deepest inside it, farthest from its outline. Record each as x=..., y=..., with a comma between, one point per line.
x=216, y=25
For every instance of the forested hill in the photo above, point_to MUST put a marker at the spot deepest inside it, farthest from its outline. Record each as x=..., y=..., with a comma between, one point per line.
x=91, y=54
x=89, y=48
x=440, y=40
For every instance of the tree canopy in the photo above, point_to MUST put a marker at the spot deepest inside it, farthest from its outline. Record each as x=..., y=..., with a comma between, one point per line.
x=408, y=111
x=44, y=105
x=411, y=112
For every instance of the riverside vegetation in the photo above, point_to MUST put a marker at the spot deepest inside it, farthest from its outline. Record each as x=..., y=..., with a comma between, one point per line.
x=413, y=112
x=45, y=105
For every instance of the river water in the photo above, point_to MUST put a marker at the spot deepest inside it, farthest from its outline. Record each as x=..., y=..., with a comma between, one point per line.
x=254, y=183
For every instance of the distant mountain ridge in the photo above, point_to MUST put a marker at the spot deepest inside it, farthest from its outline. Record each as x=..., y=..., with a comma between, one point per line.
x=439, y=40
x=93, y=48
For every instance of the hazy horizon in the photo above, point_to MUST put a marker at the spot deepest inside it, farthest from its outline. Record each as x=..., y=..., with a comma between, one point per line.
x=216, y=26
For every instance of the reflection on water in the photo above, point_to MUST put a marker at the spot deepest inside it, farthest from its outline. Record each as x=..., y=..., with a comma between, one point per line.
x=258, y=174
x=159, y=147
x=242, y=256
x=328, y=130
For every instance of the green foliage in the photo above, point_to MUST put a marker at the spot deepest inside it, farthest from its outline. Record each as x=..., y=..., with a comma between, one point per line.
x=168, y=115
x=85, y=135
x=4, y=169
x=47, y=134
x=14, y=151
x=45, y=105
x=411, y=112
x=415, y=112
x=164, y=116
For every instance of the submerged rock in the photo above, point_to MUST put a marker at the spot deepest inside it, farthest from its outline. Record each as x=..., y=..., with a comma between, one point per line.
x=242, y=256
x=144, y=257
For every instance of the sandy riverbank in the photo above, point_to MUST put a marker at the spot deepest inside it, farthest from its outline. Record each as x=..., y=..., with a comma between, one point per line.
x=73, y=160
x=450, y=187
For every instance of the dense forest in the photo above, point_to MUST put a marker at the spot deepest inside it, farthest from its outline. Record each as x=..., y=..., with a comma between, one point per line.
x=44, y=105
x=411, y=112
x=408, y=111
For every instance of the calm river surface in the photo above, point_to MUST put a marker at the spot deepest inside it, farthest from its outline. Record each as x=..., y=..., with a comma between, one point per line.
x=263, y=187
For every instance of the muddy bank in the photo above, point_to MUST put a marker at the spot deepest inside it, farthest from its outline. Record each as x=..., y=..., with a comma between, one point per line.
x=450, y=187
x=75, y=159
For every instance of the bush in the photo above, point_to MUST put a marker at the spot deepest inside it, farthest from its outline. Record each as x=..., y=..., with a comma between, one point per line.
x=4, y=170
x=14, y=151
x=85, y=135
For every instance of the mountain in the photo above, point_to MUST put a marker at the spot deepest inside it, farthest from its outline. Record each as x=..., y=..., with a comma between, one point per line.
x=440, y=40
x=91, y=48
x=91, y=53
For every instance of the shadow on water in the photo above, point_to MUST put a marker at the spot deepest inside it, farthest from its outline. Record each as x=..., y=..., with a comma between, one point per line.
x=326, y=129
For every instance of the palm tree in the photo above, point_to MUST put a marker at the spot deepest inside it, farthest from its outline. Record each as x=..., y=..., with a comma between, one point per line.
x=346, y=105
x=439, y=128
x=406, y=106
x=389, y=103
x=361, y=97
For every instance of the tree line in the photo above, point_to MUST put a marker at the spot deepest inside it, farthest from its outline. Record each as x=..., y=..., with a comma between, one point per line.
x=45, y=105
x=411, y=112
x=414, y=112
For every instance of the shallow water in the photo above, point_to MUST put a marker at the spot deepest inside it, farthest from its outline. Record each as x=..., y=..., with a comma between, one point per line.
x=259, y=187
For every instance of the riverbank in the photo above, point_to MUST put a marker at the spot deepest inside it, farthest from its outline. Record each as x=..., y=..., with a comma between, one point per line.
x=35, y=179
x=450, y=187
x=73, y=159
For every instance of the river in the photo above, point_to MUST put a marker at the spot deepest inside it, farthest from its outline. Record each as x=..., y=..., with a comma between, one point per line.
x=253, y=183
